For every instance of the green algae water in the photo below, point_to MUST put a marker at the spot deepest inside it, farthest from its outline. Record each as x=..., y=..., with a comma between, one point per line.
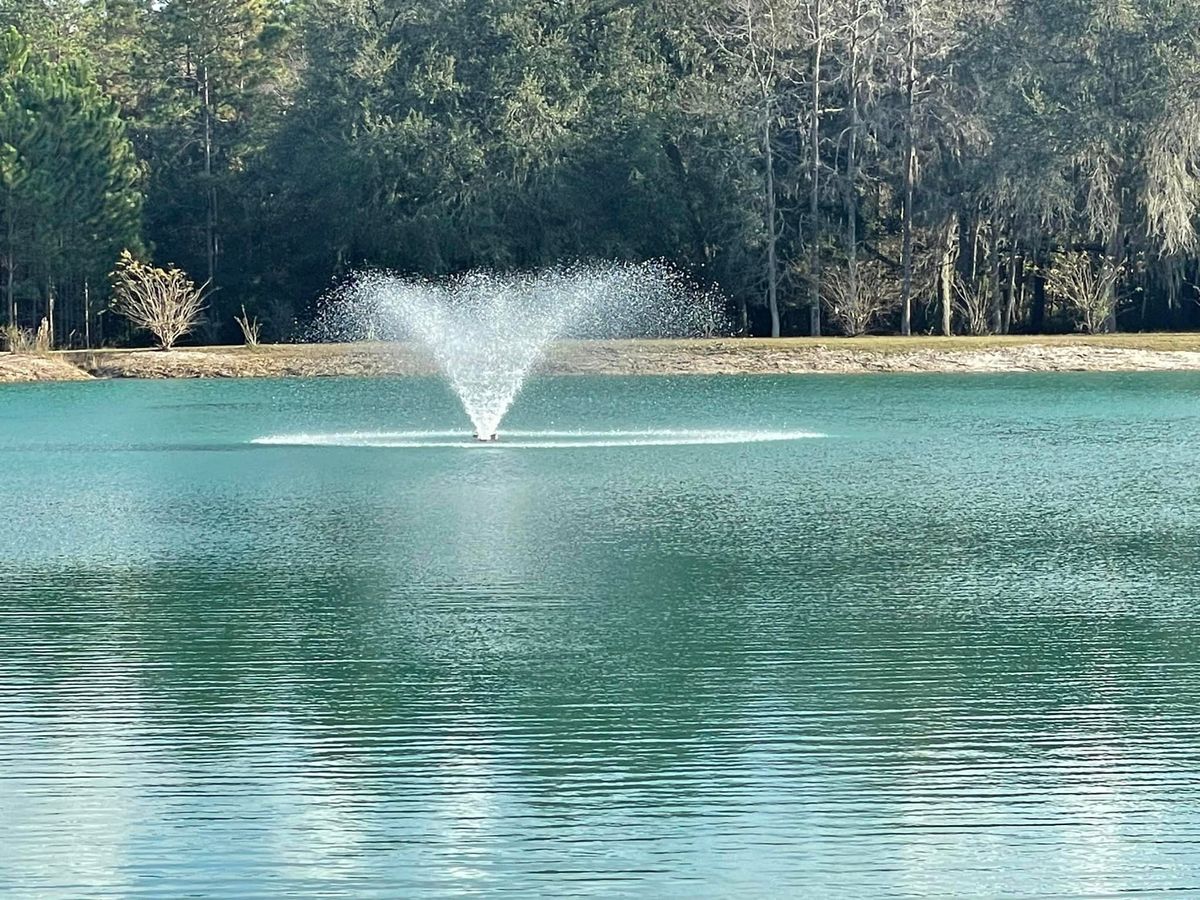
x=942, y=639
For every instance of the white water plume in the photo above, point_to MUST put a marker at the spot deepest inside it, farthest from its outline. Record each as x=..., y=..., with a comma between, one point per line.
x=486, y=332
x=537, y=440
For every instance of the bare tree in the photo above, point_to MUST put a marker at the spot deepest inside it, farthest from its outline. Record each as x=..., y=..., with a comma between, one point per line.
x=914, y=9
x=855, y=303
x=928, y=120
x=946, y=272
x=165, y=302
x=860, y=21
x=974, y=304
x=1088, y=289
x=817, y=41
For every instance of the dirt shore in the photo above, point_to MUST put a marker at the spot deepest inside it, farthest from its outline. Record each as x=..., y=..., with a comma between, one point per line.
x=30, y=367
x=1074, y=353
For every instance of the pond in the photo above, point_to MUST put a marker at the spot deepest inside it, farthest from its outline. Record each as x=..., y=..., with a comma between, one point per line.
x=940, y=635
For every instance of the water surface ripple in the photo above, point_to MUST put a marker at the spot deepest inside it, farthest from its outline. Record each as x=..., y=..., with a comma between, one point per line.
x=950, y=649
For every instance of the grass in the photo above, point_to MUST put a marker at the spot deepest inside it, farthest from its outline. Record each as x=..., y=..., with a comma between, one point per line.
x=894, y=343
x=924, y=353
x=1165, y=341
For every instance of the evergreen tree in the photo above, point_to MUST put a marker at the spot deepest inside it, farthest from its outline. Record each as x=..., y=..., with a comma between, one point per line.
x=69, y=182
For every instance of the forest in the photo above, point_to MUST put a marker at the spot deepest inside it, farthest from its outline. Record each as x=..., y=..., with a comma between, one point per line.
x=832, y=166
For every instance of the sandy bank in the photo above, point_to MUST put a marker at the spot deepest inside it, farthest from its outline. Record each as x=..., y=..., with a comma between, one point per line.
x=19, y=368
x=1108, y=353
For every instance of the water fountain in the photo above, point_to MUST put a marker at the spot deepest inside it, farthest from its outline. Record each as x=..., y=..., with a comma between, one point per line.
x=486, y=332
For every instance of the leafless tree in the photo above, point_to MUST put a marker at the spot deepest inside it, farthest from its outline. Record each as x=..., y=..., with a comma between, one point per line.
x=1088, y=289
x=859, y=24
x=165, y=302
x=854, y=304
x=816, y=38
x=974, y=304
x=924, y=37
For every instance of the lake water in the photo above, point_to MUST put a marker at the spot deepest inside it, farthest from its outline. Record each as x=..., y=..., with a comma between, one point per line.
x=951, y=647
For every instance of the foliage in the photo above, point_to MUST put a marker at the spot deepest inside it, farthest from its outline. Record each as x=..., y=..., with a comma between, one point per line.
x=769, y=146
x=163, y=301
x=69, y=196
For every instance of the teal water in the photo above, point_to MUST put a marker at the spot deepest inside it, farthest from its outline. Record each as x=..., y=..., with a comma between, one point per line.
x=951, y=648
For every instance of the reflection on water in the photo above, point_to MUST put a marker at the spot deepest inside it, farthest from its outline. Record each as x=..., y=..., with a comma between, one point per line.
x=949, y=650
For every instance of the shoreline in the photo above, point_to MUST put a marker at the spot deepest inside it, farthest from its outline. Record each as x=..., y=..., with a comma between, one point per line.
x=715, y=356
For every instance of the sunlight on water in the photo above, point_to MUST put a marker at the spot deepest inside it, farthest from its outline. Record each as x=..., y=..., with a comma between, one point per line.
x=950, y=650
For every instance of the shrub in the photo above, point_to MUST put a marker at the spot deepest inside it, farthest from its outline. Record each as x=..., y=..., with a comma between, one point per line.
x=251, y=328
x=972, y=299
x=26, y=340
x=854, y=311
x=163, y=301
x=1088, y=290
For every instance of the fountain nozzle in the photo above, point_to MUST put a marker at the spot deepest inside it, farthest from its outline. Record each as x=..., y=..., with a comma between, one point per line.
x=487, y=438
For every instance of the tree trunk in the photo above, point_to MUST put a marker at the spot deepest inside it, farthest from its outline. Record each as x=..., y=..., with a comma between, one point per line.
x=968, y=238
x=947, y=274
x=994, y=275
x=87, y=316
x=772, y=233
x=851, y=195
x=1112, y=259
x=814, y=199
x=1010, y=294
x=210, y=219
x=1022, y=291
x=1037, y=310
x=10, y=265
x=910, y=174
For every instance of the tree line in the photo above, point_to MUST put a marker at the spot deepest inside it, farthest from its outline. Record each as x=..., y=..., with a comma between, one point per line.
x=834, y=166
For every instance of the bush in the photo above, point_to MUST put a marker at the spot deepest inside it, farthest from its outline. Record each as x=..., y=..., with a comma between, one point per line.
x=1088, y=290
x=26, y=340
x=855, y=310
x=251, y=328
x=973, y=301
x=163, y=301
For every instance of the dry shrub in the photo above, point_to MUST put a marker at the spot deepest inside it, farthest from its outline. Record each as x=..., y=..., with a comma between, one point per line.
x=855, y=310
x=974, y=304
x=165, y=302
x=1087, y=288
x=26, y=340
x=251, y=328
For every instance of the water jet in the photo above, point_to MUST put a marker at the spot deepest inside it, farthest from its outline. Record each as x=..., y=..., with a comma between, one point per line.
x=486, y=332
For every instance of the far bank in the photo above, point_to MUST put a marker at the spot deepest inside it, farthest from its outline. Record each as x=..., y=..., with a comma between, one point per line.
x=717, y=356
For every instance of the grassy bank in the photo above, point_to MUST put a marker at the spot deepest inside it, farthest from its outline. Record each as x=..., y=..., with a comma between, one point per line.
x=1118, y=352
x=1158, y=341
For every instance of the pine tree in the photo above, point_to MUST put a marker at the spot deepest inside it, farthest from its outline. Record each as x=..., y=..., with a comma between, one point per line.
x=69, y=181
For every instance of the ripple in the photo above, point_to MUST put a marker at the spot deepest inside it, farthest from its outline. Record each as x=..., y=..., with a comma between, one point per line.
x=932, y=656
x=535, y=440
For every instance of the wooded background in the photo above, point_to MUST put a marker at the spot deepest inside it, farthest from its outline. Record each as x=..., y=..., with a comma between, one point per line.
x=835, y=166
